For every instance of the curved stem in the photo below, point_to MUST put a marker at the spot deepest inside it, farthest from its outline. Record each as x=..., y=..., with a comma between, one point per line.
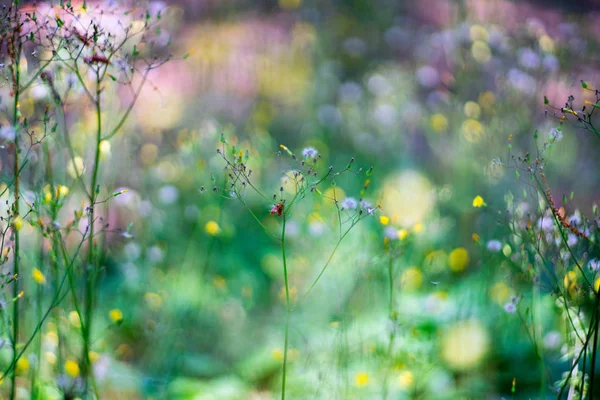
x=288, y=310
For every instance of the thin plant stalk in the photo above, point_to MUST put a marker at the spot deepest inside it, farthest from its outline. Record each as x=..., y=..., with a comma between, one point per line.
x=287, y=311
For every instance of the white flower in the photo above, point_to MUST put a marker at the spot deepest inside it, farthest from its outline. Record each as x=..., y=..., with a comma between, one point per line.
x=594, y=265
x=310, y=152
x=555, y=134
x=494, y=245
x=510, y=307
x=349, y=203
x=391, y=232
x=572, y=240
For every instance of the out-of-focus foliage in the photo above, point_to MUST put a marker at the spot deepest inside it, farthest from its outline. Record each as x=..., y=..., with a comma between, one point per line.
x=456, y=280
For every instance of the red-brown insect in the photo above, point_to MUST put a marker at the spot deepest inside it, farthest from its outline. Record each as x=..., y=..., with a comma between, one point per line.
x=277, y=209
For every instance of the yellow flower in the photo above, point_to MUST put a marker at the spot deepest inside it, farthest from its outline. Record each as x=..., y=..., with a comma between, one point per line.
x=439, y=123
x=464, y=345
x=72, y=368
x=38, y=277
x=22, y=366
x=74, y=319
x=212, y=228
x=411, y=278
x=478, y=202
x=76, y=167
x=115, y=315
x=277, y=354
x=405, y=379
x=17, y=223
x=361, y=379
x=475, y=238
x=153, y=300
x=458, y=259
x=597, y=284
x=104, y=149
x=93, y=356
x=418, y=228
x=402, y=234
x=62, y=191
x=384, y=220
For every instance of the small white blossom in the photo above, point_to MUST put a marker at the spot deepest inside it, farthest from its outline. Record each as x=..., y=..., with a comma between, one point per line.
x=349, y=203
x=391, y=232
x=510, y=307
x=310, y=152
x=594, y=265
x=494, y=245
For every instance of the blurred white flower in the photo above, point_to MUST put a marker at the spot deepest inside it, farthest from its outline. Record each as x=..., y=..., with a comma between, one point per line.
x=494, y=245
x=310, y=152
x=349, y=203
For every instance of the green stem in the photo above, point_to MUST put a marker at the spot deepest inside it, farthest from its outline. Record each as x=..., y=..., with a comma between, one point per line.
x=16, y=255
x=288, y=310
x=91, y=270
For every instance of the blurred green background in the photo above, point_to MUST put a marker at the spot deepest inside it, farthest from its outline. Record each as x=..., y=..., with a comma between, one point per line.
x=430, y=94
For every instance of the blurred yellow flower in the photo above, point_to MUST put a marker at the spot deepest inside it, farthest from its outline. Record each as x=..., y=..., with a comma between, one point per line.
x=38, y=277
x=472, y=110
x=22, y=366
x=115, y=315
x=219, y=282
x=500, y=293
x=93, y=356
x=74, y=319
x=104, y=149
x=487, y=100
x=50, y=357
x=277, y=354
x=481, y=52
x=361, y=379
x=406, y=379
x=417, y=228
x=72, y=368
x=411, y=278
x=478, y=32
x=153, y=300
x=384, y=220
x=458, y=259
x=290, y=4
x=478, y=202
x=472, y=130
x=76, y=167
x=546, y=43
x=439, y=123
x=464, y=345
x=402, y=234
x=17, y=223
x=212, y=228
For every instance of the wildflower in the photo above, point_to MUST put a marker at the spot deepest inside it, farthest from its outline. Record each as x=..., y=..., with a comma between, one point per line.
x=361, y=379
x=406, y=379
x=384, y=220
x=38, y=277
x=464, y=345
x=402, y=234
x=478, y=202
x=212, y=228
x=555, y=135
x=572, y=240
x=439, y=123
x=277, y=354
x=153, y=300
x=74, y=319
x=72, y=368
x=17, y=223
x=349, y=203
x=310, y=152
x=418, y=228
x=76, y=167
x=594, y=265
x=93, y=356
x=458, y=259
x=116, y=315
x=22, y=366
x=411, y=278
x=510, y=307
x=104, y=149
x=494, y=246
x=391, y=233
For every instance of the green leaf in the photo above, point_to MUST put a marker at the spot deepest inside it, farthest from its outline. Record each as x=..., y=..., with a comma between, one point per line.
x=546, y=100
x=572, y=195
x=584, y=84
